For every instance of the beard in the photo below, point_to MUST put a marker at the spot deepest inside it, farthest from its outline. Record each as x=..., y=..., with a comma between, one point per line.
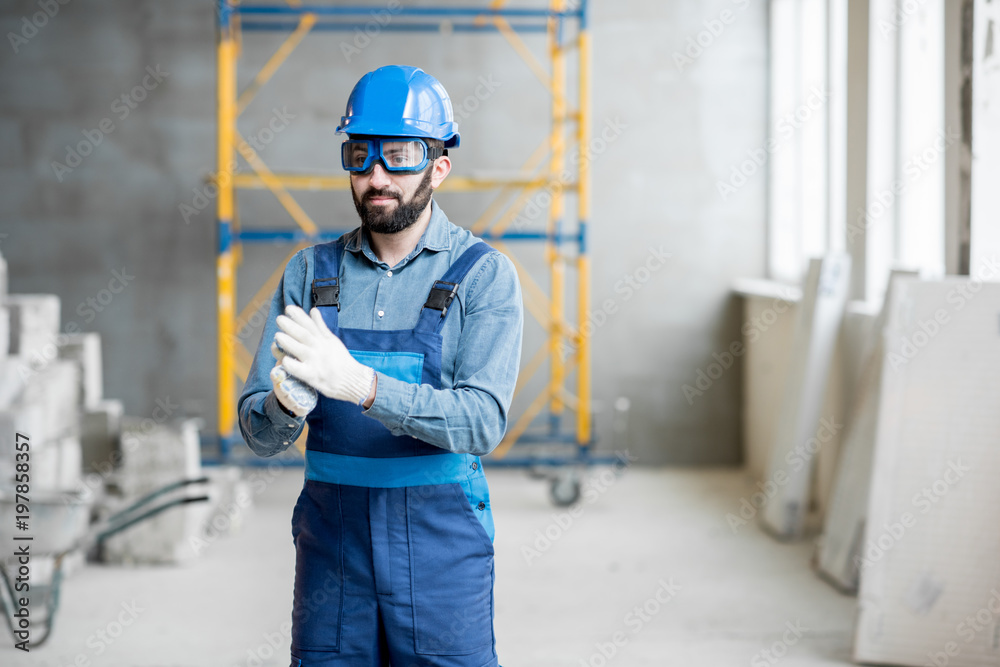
x=402, y=216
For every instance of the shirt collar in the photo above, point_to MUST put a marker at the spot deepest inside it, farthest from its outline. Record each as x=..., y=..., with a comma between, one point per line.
x=435, y=237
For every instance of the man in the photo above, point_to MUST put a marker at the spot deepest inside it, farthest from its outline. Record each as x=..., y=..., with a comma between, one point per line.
x=409, y=328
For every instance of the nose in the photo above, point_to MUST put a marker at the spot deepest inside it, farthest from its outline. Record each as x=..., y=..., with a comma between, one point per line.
x=379, y=177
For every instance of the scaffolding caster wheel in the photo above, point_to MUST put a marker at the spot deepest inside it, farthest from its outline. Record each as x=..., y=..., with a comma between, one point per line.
x=565, y=489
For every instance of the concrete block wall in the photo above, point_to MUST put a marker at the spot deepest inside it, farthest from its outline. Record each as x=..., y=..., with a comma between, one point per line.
x=79, y=443
x=39, y=397
x=155, y=455
x=679, y=98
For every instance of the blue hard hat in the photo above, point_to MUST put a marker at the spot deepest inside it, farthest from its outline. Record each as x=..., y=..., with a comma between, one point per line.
x=400, y=101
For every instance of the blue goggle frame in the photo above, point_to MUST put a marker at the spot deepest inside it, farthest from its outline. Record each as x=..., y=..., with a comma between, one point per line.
x=374, y=147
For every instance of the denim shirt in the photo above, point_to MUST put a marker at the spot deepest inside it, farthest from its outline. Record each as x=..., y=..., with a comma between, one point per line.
x=481, y=342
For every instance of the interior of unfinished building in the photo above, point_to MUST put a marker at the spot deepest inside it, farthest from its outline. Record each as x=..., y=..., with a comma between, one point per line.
x=687, y=312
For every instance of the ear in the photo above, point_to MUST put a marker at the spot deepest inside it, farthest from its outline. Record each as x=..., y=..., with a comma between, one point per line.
x=441, y=169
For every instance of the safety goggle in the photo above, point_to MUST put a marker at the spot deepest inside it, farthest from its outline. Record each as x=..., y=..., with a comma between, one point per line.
x=406, y=156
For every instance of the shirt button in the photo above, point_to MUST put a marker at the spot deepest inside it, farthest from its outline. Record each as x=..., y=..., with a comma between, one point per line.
x=481, y=506
x=475, y=466
x=381, y=313
x=389, y=273
x=285, y=442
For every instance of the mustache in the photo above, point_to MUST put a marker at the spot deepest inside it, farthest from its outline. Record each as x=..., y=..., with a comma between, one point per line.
x=372, y=193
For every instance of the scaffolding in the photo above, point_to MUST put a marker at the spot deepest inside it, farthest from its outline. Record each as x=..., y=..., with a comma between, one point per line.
x=544, y=172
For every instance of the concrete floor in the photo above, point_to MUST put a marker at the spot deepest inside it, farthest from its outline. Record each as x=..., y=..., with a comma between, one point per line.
x=643, y=534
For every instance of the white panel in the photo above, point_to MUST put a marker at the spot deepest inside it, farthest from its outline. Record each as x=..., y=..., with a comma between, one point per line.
x=930, y=572
x=802, y=428
x=843, y=528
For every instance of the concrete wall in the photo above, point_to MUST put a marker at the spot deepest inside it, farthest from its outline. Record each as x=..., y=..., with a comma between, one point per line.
x=678, y=117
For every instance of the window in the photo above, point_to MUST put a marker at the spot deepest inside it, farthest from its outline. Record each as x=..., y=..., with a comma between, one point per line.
x=864, y=171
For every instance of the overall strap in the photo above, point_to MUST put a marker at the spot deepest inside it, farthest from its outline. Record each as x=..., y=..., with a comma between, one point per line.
x=443, y=291
x=326, y=279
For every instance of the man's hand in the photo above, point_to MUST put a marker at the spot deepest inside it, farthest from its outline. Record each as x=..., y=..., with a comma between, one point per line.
x=319, y=358
x=294, y=395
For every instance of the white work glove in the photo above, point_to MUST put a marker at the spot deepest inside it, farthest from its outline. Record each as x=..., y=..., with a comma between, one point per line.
x=296, y=396
x=320, y=359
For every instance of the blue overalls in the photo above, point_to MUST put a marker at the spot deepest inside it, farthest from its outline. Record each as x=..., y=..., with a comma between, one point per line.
x=393, y=535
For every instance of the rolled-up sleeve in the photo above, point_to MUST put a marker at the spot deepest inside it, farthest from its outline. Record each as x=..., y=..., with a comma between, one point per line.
x=266, y=427
x=471, y=416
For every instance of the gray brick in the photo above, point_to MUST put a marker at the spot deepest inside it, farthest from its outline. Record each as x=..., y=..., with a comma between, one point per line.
x=85, y=349
x=100, y=437
x=13, y=372
x=12, y=422
x=34, y=322
x=4, y=331
x=55, y=389
x=154, y=455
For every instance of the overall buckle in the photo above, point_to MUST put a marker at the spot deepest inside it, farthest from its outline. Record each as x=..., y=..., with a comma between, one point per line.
x=441, y=296
x=326, y=295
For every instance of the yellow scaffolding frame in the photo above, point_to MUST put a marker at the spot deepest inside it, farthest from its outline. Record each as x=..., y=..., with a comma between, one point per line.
x=549, y=158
